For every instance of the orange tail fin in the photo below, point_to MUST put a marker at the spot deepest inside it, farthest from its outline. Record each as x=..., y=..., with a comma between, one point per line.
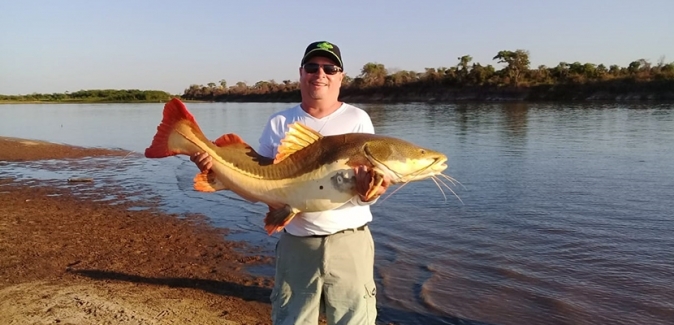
x=174, y=112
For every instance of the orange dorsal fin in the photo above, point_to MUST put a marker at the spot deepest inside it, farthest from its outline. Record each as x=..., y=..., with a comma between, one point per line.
x=227, y=139
x=298, y=137
x=174, y=113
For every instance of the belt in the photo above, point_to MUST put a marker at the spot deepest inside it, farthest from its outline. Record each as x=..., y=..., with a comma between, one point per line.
x=361, y=228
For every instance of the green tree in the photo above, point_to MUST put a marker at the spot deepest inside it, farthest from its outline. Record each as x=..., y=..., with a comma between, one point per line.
x=373, y=74
x=634, y=66
x=517, y=64
x=462, y=67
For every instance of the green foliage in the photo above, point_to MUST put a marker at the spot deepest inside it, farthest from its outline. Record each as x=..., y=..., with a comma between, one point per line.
x=373, y=74
x=94, y=95
x=375, y=81
x=517, y=64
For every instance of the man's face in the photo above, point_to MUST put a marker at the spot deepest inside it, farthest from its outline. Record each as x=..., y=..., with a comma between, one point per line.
x=320, y=85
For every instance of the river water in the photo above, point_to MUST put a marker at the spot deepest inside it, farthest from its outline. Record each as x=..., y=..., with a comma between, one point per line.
x=566, y=211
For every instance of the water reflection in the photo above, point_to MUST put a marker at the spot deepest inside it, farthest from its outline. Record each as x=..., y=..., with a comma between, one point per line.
x=516, y=120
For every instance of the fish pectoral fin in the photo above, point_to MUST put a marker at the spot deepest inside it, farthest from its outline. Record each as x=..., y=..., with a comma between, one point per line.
x=298, y=137
x=207, y=182
x=375, y=183
x=277, y=218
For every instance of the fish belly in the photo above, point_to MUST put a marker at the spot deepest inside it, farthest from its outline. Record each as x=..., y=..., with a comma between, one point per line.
x=324, y=189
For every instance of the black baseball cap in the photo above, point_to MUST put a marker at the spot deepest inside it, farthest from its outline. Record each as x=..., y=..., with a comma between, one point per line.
x=324, y=49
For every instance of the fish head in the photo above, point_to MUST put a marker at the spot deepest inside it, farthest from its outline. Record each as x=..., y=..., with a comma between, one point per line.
x=403, y=161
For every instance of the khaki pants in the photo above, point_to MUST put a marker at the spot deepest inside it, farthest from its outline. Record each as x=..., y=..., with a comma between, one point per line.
x=332, y=274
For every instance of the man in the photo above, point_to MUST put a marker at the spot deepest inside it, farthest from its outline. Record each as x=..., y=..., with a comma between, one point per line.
x=324, y=260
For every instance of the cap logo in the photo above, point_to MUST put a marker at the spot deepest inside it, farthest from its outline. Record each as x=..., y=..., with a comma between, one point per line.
x=325, y=46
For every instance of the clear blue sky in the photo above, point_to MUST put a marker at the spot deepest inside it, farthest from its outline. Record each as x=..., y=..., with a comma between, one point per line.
x=57, y=46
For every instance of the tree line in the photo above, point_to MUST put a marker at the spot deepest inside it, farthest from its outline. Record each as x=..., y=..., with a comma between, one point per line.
x=94, y=95
x=516, y=78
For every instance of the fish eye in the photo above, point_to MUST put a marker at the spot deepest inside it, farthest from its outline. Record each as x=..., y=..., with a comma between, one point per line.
x=423, y=152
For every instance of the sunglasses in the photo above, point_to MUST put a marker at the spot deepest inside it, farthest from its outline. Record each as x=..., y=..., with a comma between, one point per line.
x=327, y=68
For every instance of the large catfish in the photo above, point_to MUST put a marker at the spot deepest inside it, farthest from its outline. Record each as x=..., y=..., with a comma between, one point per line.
x=311, y=172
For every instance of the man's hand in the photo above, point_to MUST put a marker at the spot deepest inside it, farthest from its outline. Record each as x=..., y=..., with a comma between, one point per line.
x=203, y=161
x=366, y=183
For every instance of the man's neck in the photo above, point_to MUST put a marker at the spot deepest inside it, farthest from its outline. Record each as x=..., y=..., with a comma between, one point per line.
x=319, y=109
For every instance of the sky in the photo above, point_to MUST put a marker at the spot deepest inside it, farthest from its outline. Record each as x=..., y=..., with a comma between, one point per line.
x=69, y=45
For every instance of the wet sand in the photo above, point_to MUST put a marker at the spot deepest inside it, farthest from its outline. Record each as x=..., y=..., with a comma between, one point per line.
x=70, y=260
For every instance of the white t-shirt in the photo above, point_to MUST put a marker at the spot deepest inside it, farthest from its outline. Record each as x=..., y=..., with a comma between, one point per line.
x=346, y=119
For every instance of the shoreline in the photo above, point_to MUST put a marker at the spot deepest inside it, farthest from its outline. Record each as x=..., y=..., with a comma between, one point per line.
x=69, y=259
x=448, y=97
x=387, y=100
x=14, y=102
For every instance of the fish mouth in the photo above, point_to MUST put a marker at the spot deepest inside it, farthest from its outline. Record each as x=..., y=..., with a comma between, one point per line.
x=440, y=164
x=434, y=168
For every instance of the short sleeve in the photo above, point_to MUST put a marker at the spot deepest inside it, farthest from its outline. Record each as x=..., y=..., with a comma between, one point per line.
x=266, y=145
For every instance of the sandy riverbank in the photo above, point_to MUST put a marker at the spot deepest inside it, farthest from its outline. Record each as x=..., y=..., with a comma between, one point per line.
x=69, y=260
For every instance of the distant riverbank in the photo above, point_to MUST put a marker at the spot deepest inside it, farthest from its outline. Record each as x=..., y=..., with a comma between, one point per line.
x=614, y=90
x=468, y=81
x=463, y=81
x=558, y=93
x=99, y=101
x=449, y=96
x=91, y=96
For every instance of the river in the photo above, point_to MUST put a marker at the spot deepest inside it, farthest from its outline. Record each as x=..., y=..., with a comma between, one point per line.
x=565, y=216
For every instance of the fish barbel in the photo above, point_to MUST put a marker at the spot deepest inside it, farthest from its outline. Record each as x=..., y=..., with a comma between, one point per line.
x=310, y=173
